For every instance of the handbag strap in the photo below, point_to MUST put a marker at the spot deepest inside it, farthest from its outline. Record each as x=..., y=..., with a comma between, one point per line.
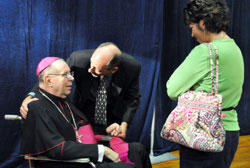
x=214, y=86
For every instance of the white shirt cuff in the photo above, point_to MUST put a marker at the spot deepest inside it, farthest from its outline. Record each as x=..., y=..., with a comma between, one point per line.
x=100, y=153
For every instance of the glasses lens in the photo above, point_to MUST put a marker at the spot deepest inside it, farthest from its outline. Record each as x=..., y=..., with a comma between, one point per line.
x=72, y=73
x=69, y=74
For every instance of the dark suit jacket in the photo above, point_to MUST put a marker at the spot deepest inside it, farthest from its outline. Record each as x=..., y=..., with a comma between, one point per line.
x=125, y=92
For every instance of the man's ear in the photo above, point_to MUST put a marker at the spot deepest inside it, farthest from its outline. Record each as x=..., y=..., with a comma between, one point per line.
x=47, y=80
x=114, y=70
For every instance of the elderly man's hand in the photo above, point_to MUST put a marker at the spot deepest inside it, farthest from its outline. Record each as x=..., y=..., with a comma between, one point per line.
x=112, y=155
x=24, y=107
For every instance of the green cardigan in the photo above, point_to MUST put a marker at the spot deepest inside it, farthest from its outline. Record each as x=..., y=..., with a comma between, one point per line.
x=194, y=74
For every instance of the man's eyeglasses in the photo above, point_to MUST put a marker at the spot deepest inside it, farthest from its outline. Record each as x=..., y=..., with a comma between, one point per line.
x=67, y=75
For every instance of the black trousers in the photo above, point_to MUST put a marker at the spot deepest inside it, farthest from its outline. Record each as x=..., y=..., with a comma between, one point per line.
x=190, y=158
x=137, y=154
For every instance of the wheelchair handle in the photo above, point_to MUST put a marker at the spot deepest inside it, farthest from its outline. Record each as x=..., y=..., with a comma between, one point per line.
x=12, y=117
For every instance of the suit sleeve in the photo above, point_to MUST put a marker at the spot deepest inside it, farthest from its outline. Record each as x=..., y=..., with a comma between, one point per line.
x=132, y=96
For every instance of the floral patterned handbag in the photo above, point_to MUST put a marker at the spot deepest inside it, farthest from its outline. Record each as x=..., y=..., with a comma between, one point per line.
x=195, y=122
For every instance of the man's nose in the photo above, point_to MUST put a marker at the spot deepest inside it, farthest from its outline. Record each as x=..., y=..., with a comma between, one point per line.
x=71, y=78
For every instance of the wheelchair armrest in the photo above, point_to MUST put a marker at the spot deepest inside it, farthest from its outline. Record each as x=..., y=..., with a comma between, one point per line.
x=12, y=117
x=106, y=138
x=45, y=158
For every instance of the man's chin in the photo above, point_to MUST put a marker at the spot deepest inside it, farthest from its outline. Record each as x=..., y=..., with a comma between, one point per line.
x=68, y=92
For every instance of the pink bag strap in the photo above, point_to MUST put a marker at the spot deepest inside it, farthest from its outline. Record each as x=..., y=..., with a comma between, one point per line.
x=215, y=87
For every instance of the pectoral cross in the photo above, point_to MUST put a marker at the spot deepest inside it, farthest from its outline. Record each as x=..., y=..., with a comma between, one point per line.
x=78, y=137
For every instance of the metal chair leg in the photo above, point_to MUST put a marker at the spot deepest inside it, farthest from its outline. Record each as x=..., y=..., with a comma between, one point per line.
x=92, y=164
x=31, y=164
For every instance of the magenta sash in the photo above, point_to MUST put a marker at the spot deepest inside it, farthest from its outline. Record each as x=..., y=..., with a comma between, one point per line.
x=87, y=136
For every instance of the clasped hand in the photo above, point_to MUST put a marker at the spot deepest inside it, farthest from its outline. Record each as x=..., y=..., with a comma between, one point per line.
x=117, y=130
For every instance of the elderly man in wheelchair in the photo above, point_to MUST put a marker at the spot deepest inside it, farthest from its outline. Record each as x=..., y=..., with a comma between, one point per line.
x=55, y=128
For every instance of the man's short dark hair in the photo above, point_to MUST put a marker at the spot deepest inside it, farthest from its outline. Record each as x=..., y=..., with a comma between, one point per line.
x=215, y=14
x=114, y=62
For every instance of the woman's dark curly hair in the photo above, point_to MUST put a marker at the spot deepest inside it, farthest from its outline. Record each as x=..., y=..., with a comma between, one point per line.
x=215, y=14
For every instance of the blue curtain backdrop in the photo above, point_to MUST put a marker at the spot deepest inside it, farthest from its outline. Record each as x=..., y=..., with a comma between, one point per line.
x=151, y=31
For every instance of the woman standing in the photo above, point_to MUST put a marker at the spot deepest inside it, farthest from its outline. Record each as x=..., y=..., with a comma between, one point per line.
x=209, y=22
